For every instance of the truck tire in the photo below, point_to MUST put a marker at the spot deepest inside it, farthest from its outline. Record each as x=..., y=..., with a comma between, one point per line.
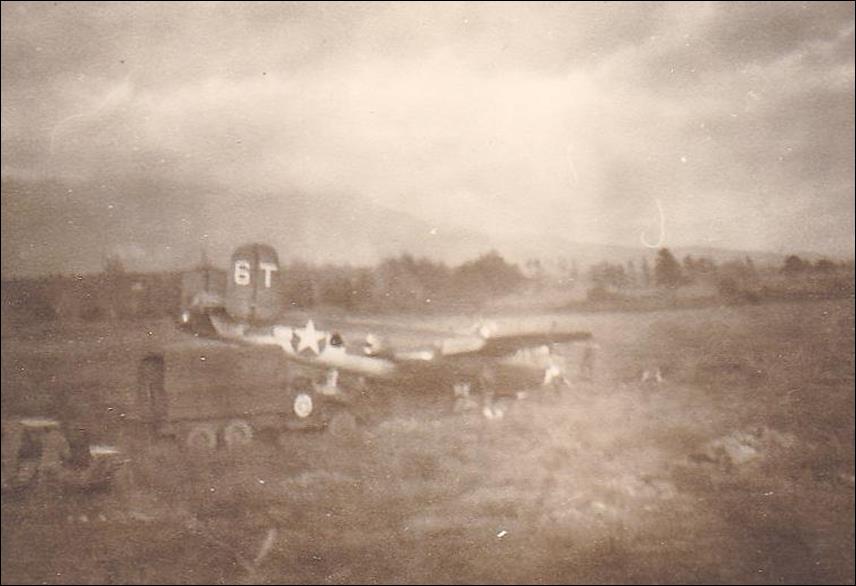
x=201, y=437
x=303, y=405
x=343, y=425
x=237, y=433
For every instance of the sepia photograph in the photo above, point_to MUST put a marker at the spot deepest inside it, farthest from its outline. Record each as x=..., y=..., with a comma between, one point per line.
x=428, y=292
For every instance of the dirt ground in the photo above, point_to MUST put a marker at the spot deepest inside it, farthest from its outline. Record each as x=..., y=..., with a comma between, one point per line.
x=737, y=466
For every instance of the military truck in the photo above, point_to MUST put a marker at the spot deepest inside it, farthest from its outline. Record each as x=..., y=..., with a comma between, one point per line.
x=208, y=394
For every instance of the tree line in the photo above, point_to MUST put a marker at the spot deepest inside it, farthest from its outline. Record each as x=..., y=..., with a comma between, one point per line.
x=400, y=283
x=408, y=283
x=732, y=279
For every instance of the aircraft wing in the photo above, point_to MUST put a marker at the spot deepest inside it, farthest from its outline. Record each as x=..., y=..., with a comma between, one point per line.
x=490, y=346
x=500, y=346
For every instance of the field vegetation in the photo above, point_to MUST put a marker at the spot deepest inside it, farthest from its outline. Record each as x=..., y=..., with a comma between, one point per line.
x=735, y=465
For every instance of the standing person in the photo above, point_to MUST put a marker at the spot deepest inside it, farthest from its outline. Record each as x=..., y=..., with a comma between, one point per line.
x=554, y=374
x=487, y=386
x=55, y=452
x=79, y=456
x=588, y=360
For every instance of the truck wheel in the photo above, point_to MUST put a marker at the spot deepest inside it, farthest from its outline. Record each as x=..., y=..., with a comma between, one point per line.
x=237, y=433
x=343, y=425
x=201, y=437
x=303, y=405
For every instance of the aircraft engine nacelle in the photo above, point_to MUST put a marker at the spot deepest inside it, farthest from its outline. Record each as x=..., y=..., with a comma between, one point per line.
x=253, y=291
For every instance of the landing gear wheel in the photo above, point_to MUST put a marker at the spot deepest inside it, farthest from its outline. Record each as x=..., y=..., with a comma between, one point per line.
x=463, y=397
x=237, y=433
x=202, y=437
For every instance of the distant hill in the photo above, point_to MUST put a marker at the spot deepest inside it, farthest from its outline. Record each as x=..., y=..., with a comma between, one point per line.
x=52, y=227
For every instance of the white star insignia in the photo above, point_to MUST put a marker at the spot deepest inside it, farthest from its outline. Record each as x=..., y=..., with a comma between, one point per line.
x=308, y=338
x=283, y=336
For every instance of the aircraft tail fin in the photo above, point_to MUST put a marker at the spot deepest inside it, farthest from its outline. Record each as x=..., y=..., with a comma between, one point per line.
x=253, y=292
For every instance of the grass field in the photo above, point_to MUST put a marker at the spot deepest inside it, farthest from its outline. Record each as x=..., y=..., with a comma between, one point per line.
x=737, y=468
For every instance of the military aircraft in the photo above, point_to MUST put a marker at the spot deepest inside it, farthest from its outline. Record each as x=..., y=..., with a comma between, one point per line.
x=244, y=307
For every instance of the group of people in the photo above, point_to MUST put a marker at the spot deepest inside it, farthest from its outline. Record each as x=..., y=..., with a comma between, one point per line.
x=555, y=378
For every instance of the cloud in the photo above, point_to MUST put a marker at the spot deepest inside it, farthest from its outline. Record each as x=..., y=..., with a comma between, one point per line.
x=567, y=119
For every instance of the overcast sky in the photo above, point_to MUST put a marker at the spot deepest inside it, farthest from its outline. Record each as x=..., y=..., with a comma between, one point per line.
x=584, y=121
